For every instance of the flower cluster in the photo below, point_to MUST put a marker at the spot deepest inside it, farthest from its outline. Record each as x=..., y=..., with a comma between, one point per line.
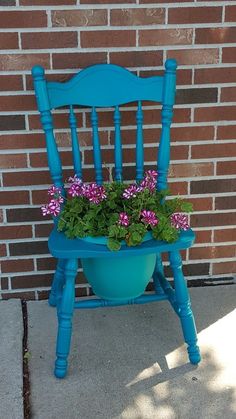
x=122, y=213
x=54, y=205
x=149, y=182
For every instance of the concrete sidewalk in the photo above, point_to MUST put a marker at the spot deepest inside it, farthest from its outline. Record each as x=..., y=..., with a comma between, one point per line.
x=125, y=363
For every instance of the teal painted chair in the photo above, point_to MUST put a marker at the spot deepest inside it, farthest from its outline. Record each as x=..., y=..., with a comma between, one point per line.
x=108, y=85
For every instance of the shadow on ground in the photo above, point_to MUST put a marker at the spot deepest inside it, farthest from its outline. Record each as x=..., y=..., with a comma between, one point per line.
x=130, y=362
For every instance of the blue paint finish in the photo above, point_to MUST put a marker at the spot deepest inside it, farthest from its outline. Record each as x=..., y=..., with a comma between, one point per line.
x=75, y=144
x=118, y=146
x=139, y=142
x=108, y=85
x=96, y=147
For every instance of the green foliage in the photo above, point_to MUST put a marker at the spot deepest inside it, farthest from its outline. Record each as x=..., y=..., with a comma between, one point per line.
x=80, y=218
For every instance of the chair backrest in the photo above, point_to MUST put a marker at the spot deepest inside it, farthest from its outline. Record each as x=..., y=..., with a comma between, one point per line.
x=106, y=85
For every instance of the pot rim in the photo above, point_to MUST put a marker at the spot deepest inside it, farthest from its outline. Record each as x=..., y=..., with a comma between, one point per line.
x=103, y=239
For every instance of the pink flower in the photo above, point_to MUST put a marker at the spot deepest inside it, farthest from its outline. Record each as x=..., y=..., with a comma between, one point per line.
x=94, y=193
x=123, y=219
x=149, y=217
x=54, y=190
x=54, y=207
x=179, y=221
x=152, y=174
x=131, y=191
x=75, y=189
x=75, y=179
x=150, y=180
x=45, y=210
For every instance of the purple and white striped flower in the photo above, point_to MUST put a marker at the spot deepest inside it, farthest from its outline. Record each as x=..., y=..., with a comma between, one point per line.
x=149, y=217
x=179, y=221
x=131, y=191
x=54, y=190
x=94, y=193
x=123, y=219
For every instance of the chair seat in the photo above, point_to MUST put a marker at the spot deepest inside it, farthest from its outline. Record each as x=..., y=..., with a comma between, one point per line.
x=64, y=248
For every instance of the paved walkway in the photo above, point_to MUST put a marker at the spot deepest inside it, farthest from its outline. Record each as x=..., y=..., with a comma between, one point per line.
x=128, y=363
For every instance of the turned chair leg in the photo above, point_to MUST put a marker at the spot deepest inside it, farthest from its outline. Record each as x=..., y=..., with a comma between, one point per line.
x=158, y=272
x=57, y=284
x=184, y=308
x=65, y=318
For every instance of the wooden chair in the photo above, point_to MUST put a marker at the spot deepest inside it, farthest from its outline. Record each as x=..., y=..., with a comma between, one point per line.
x=107, y=85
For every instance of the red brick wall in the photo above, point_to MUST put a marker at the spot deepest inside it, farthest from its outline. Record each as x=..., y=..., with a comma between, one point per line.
x=64, y=36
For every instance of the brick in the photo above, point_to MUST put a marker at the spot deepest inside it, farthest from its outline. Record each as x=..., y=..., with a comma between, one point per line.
x=21, y=141
x=46, y=264
x=158, y=37
x=28, y=248
x=188, y=133
x=105, y=38
x=9, y=40
x=184, y=76
x=226, y=202
x=15, y=232
x=130, y=17
x=203, y=236
x=26, y=178
x=161, y=1
x=225, y=235
x=228, y=94
x=224, y=268
x=18, y=62
x=226, y=168
x=201, y=204
x=228, y=55
x=17, y=265
x=191, y=169
x=47, y=2
x=212, y=252
x=4, y=283
x=178, y=188
x=207, y=220
x=24, y=295
x=137, y=58
x=23, y=214
x=23, y=19
x=7, y=2
x=46, y=40
x=194, y=15
x=216, y=75
x=226, y=132
x=3, y=250
x=106, y=1
x=196, y=95
x=12, y=122
x=43, y=230
x=31, y=281
x=40, y=159
x=191, y=269
x=195, y=56
x=17, y=103
x=213, y=186
x=230, y=13
x=14, y=197
x=215, y=35
x=215, y=113
x=212, y=150
x=8, y=83
x=86, y=17
x=13, y=160
x=77, y=60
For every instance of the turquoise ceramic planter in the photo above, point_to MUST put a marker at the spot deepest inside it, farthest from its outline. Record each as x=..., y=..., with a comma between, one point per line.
x=118, y=278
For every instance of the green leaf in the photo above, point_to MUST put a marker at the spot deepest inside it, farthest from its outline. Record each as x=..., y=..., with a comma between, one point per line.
x=186, y=206
x=113, y=244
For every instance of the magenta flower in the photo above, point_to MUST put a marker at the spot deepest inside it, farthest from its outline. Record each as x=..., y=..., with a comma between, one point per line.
x=179, y=221
x=54, y=207
x=94, y=193
x=131, y=191
x=75, y=189
x=149, y=217
x=149, y=181
x=53, y=190
x=75, y=179
x=45, y=210
x=123, y=219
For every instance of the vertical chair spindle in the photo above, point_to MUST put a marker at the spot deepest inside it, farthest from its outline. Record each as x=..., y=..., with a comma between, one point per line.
x=139, y=142
x=96, y=147
x=75, y=143
x=166, y=119
x=118, y=147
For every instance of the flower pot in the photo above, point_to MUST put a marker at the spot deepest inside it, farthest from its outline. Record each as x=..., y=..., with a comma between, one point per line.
x=118, y=278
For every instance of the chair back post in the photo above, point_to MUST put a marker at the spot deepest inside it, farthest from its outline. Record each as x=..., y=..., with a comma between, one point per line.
x=166, y=119
x=54, y=161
